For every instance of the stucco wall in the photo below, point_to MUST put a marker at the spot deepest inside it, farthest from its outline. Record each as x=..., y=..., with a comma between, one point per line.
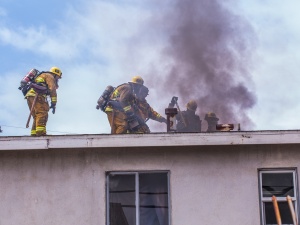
x=208, y=184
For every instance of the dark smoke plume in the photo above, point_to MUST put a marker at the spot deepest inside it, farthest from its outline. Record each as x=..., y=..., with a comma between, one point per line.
x=209, y=51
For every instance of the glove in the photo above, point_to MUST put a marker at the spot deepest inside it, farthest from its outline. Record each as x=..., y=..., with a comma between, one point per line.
x=53, y=107
x=163, y=120
x=174, y=100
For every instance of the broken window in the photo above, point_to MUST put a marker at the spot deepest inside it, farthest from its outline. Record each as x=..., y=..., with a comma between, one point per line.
x=278, y=183
x=138, y=198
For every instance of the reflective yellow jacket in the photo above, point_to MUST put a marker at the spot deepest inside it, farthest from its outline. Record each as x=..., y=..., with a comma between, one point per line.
x=48, y=80
x=145, y=111
x=125, y=96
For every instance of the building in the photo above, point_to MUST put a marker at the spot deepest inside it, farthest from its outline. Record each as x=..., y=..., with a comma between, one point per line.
x=149, y=179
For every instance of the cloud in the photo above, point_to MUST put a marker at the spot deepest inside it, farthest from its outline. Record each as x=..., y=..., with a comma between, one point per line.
x=276, y=73
x=100, y=43
x=88, y=45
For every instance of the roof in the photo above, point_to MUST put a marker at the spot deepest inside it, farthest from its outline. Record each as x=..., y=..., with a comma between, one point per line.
x=149, y=140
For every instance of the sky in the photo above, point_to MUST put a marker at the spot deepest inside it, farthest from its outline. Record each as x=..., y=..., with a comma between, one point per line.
x=239, y=59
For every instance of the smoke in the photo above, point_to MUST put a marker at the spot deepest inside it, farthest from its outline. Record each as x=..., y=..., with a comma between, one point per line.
x=208, y=58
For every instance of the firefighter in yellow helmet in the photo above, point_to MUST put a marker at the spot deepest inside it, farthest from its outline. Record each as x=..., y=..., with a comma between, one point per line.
x=44, y=85
x=188, y=121
x=212, y=121
x=120, y=108
x=145, y=111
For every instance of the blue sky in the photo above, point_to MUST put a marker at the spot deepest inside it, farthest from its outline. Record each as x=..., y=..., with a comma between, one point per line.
x=100, y=43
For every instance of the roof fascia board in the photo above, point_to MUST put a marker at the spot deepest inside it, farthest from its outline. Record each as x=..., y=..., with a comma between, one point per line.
x=149, y=140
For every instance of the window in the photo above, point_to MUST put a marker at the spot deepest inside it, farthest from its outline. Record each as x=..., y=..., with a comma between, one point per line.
x=278, y=183
x=138, y=198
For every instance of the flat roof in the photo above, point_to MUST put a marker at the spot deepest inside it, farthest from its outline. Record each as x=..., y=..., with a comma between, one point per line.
x=149, y=140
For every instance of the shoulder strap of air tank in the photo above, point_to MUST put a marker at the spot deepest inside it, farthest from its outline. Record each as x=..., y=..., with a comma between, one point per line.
x=39, y=73
x=120, y=86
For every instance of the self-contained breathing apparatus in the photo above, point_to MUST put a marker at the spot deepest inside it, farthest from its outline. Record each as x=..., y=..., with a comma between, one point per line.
x=28, y=82
x=104, y=98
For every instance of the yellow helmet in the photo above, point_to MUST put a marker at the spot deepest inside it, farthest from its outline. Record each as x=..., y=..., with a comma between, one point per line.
x=137, y=80
x=56, y=71
x=192, y=105
x=211, y=116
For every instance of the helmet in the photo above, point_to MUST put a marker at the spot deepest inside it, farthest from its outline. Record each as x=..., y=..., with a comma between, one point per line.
x=56, y=71
x=211, y=115
x=137, y=80
x=191, y=105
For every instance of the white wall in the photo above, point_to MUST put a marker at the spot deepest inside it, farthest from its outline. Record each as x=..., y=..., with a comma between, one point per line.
x=209, y=184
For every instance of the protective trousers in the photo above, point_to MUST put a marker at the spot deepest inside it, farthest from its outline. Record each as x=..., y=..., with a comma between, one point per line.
x=39, y=114
x=141, y=129
x=117, y=121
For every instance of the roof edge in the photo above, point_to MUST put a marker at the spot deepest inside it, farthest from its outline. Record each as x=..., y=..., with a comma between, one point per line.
x=149, y=140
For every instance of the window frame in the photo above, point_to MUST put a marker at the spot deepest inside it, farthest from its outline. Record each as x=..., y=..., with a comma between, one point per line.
x=263, y=200
x=137, y=202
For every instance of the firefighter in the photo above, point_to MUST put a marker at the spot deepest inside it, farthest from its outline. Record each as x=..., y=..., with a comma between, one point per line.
x=120, y=108
x=212, y=121
x=188, y=121
x=145, y=111
x=49, y=81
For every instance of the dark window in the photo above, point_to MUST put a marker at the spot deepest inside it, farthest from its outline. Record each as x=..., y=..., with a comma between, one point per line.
x=122, y=200
x=285, y=213
x=278, y=183
x=138, y=198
